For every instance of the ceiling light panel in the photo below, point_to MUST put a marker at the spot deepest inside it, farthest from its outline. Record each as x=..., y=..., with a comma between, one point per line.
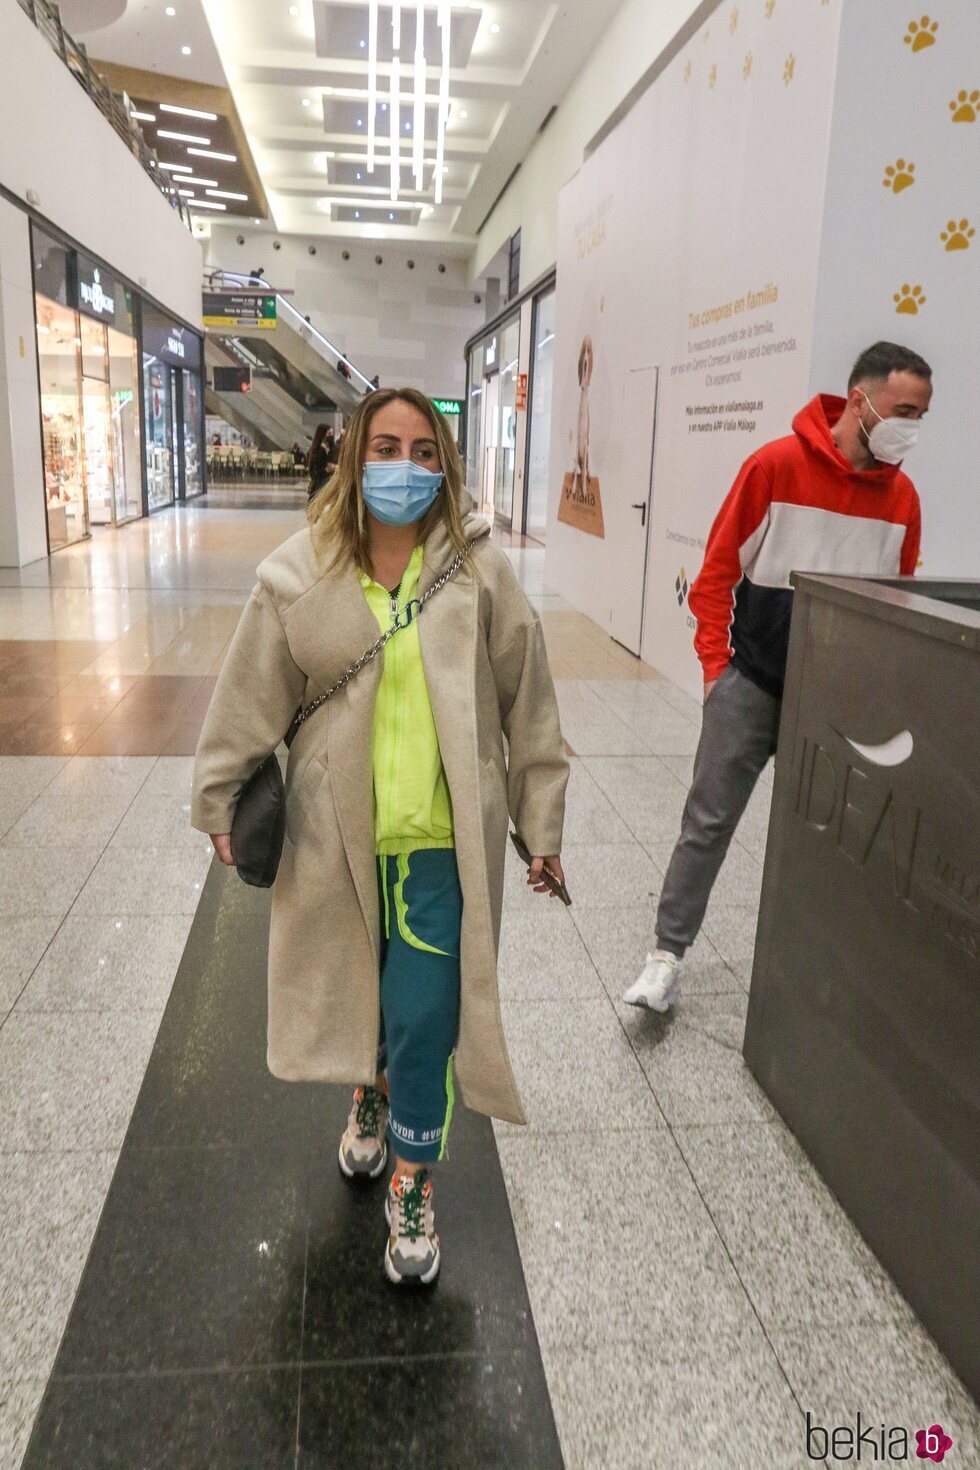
x=184, y=137
x=340, y=29
x=350, y=117
x=188, y=111
x=375, y=214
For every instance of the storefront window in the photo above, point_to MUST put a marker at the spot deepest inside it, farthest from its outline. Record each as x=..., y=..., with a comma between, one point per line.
x=193, y=484
x=506, y=436
x=95, y=416
x=125, y=411
x=174, y=424
x=159, y=434
x=61, y=422
x=474, y=414
x=540, y=426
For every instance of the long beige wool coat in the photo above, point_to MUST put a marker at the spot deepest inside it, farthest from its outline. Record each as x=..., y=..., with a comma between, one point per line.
x=488, y=678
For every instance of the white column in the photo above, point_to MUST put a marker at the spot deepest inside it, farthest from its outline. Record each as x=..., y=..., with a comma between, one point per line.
x=22, y=531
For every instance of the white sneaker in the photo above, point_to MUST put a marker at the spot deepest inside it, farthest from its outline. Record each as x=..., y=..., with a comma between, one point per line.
x=412, y=1253
x=659, y=983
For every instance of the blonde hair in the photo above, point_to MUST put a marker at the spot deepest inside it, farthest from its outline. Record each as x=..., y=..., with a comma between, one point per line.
x=336, y=512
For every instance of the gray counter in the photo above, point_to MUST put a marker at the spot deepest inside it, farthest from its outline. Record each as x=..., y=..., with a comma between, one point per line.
x=864, y=1014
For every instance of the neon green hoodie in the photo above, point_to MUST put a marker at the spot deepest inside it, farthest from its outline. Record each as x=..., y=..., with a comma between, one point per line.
x=412, y=806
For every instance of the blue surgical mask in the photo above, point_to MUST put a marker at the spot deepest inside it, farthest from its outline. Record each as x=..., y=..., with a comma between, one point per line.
x=399, y=491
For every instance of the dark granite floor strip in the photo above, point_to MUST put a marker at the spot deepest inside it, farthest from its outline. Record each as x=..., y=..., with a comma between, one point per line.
x=233, y=1313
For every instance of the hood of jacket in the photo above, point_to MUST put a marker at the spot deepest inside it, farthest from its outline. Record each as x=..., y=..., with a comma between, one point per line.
x=813, y=425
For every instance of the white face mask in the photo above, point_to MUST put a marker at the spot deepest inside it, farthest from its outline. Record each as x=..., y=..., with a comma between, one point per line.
x=891, y=439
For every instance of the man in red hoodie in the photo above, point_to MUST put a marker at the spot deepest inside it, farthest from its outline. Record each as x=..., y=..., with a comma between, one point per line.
x=829, y=498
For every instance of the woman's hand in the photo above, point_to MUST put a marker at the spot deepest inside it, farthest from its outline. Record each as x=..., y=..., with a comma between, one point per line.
x=221, y=842
x=554, y=867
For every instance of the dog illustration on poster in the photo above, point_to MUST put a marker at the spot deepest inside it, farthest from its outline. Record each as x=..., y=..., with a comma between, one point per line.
x=581, y=504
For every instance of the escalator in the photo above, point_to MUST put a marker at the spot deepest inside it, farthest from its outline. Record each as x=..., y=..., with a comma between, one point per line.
x=295, y=382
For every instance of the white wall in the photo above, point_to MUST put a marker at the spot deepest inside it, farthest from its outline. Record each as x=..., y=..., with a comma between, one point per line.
x=22, y=530
x=709, y=191
x=636, y=35
x=875, y=242
x=408, y=326
x=54, y=141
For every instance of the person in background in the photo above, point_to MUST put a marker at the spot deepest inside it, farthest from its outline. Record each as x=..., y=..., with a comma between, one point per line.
x=384, y=930
x=829, y=498
x=318, y=459
x=342, y=368
x=376, y=382
x=334, y=447
x=257, y=275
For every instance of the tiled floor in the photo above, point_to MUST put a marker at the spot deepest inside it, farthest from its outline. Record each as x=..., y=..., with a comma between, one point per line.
x=694, y=1286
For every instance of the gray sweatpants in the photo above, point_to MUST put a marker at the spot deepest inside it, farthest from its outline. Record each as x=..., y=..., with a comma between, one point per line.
x=738, y=735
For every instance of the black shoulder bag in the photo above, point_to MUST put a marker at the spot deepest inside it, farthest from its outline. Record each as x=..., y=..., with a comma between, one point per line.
x=259, y=823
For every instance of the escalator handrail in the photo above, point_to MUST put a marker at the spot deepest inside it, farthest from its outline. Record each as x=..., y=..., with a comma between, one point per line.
x=282, y=302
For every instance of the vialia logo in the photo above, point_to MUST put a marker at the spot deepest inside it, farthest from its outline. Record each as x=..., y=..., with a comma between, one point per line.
x=863, y=1442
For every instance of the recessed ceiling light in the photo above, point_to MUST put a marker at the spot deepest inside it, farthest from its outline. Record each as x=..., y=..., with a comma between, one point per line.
x=207, y=204
x=362, y=44
x=193, y=179
x=294, y=10
x=184, y=137
x=359, y=174
x=408, y=127
x=360, y=122
x=144, y=116
x=186, y=193
x=171, y=10
x=445, y=168
x=357, y=214
x=306, y=101
x=224, y=194
x=495, y=28
x=177, y=168
x=204, y=153
x=464, y=114
x=391, y=214
x=188, y=111
x=384, y=107
x=185, y=50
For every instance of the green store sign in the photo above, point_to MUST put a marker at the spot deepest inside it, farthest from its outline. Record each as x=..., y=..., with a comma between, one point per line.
x=448, y=405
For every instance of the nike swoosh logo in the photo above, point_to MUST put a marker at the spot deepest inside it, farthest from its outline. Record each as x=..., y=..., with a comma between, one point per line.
x=893, y=752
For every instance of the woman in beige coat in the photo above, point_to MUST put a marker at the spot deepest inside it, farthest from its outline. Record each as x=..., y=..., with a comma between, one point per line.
x=386, y=908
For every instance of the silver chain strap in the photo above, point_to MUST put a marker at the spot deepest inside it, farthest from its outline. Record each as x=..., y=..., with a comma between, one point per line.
x=416, y=603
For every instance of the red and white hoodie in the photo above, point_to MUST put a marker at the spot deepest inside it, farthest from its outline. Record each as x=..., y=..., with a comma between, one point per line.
x=797, y=506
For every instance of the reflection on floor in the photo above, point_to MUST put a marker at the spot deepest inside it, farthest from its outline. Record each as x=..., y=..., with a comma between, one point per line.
x=694, y=1287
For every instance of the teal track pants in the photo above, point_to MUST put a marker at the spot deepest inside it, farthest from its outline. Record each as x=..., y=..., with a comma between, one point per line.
x=421, y=906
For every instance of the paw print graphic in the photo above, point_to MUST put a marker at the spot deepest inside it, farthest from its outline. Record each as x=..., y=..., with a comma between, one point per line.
x=733, y=20
x=965, y=106
x=899, y=176
x=680, y=587
x=747, y=65
x=909, y=300
x=958, y=236
x=789, y=70
x=712, y=76
x=921, y=33
x=770, y=7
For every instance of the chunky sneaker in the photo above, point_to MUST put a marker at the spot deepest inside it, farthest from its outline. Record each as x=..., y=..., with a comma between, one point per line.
x=412, y=1252
x=363, y=1149
x=659, y=983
